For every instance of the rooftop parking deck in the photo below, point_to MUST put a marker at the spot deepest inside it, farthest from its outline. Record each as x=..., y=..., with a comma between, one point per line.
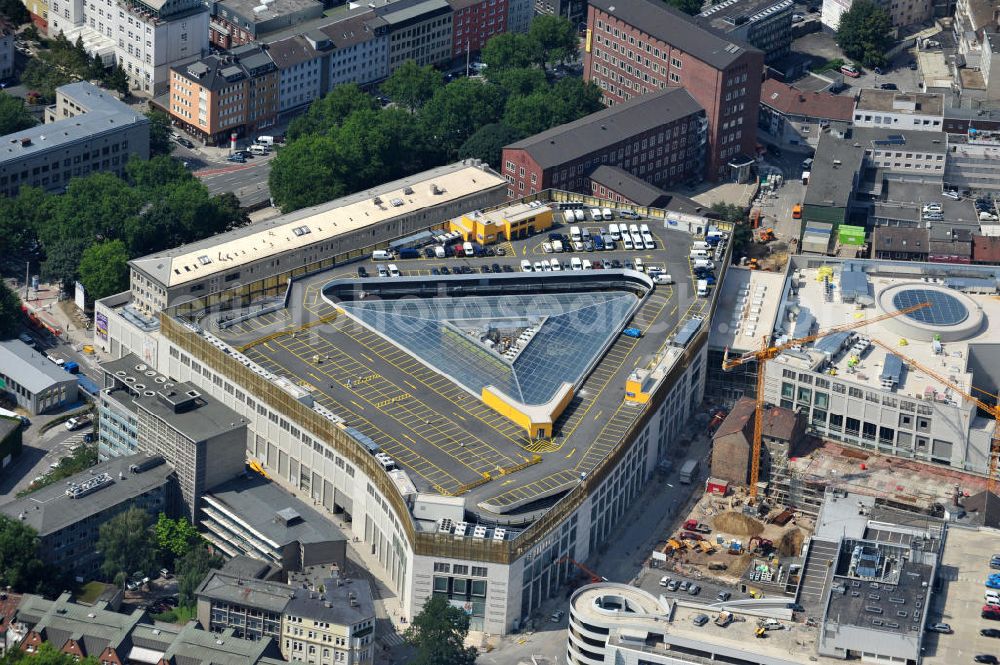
x=430, y=417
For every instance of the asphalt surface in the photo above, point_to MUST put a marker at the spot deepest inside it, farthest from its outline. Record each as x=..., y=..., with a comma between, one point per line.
x=440, y=434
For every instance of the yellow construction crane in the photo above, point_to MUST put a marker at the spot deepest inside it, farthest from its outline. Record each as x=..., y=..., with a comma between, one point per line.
x=767, y=352
x=991, y=409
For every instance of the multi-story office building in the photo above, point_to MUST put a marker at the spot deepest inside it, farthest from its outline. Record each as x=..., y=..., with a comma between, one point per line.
x=475, y=21
x=659, y=137
x=222, y=95
x=251, y=516
x=419, y=30
x=88, y=131
x=765, y=24
x=320, y=617
x=68, y=516
x=39, y=11
x=36, y=383
x=144, y=39
x=974, y=18
x=573, y=10
x=238, y=22
x=903, y=111
x=204, y=440
x=638, y=47
x=971, y=163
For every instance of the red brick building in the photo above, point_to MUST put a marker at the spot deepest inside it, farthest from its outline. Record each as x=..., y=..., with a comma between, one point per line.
x=659, y=138
x=475, y=21
x=636, y=47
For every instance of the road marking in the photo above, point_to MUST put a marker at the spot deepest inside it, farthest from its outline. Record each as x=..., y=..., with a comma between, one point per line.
x=357, y=405
x=571, y=453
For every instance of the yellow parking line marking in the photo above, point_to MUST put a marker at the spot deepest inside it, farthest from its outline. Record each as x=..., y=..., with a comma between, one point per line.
x=357, y=405
x=571, y=453
x=598, y=415
x=410, y=385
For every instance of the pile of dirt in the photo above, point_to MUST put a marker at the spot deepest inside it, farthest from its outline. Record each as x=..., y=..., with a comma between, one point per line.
x=737, y=524
x=790, y=542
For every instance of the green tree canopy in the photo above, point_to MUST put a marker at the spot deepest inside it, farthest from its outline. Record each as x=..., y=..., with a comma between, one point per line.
x=46, y=654
x=691, y=7
x=191, y=570
x=742, y=234
x=521, y=81
x=573, y=98
x=127, y=544
x=510, y=50
x=411, y=85
x=330, y=110
x=14, y=11
x=20, y=566
x=438, y=634
x=159, y=133
x=488, y=142
x=177, y=536
x=865, y=33
x=529, y=115
x=306, y=172
x=556, y=37
x=14, y=116
x=460, y=108
x=104, y=269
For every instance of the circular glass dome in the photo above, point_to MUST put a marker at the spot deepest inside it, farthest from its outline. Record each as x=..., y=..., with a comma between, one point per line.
x=944, y=309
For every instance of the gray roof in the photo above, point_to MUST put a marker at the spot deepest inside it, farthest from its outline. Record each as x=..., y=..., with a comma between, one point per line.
x=30, y=368
x=261, y=594
x=50, y=509
x=900, y=239
x=630, y=186
x=607, y=127
x=258, y=502
x=94, y=628
x=103, y=114
x=343, y=601
x=247, y=9
x=677, y=29
x=406, y=11
x=217, y=71
x=732, y=15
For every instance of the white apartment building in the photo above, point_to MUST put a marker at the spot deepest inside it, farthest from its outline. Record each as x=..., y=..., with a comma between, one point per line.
x=145, y=38
x=905, y=111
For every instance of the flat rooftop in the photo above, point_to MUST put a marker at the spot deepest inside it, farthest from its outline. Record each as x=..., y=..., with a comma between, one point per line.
x=260, y=11
x=105, y=485
x=729, y=15
x=909, y=103
x=751, y=299
x=962, y=302
x=230, y=250
x=380, y=376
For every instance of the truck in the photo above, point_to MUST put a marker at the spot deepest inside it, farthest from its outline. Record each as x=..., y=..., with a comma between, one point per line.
x=71, y=367
x=697, y=527
x=688, y=471
x=724, y=619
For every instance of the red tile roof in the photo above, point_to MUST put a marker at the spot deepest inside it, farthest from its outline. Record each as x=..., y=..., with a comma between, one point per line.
x=792, y=101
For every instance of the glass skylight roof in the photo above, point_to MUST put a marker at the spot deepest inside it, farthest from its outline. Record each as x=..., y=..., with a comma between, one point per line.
x=524, y=345
x=943, y=309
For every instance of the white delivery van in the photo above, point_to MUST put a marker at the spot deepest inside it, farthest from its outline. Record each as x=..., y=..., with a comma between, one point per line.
x=607, y=214
x=626, y=241
x=526, y=266
x=702, y=287
x=467, y=248
x=581, y=216
x=381, y=255
x=699, y=254
x=703, y=263
x=663, y=278
x=258, y=149
x=574, y=233
x=585, y=234
x=557, y=246
x=265, y=140
x=439, y=251
x=613, y=230
x=700, y=244
x=393, y=270
x=639, y=266
x=575, y=263
x=644, y=228
x=595, y=214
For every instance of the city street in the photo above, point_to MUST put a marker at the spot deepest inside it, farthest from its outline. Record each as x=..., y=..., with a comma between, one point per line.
x=38, y=453
x=248, y=181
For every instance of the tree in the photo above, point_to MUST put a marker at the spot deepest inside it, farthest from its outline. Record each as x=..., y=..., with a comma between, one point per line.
x=521, y=81
x=529, y=115
x=14, y=115
x=20, y=566
x=412, y=85
x=14, y=11
x=328, y=112
x=176, y=537
x=117, y=80
x=488, y=142
x=691, y=7
x=556, y=37
x=104, y=269
x=458, y=109
x=438, y=633
x=742, y=234
x=305, y=173
x=159, y=133
x=865, y=33
x=510, y=50
x=46, y=654
x=126, y=544
x=191, y=570
x=572, y=98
